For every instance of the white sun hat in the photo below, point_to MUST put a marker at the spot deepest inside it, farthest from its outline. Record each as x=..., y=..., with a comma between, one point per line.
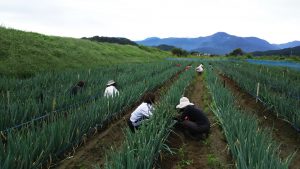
x=183, y=103
x=110, y=82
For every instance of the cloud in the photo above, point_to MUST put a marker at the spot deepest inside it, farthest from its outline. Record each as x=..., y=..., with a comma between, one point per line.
x=275, y=20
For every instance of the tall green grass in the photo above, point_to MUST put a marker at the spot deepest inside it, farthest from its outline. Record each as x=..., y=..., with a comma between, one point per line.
x=250, y=145
x=32, y=147
x=142, y=148
x=20, y=99
x=279, y=87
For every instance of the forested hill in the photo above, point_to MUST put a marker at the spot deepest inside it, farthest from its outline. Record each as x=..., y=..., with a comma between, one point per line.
x=122, y=41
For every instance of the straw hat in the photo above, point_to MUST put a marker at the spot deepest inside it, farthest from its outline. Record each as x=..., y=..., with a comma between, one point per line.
x=110, y=82
x=183, y=103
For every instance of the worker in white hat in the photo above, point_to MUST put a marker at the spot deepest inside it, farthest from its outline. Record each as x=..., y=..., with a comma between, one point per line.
x=192, y=120
x=111, y=89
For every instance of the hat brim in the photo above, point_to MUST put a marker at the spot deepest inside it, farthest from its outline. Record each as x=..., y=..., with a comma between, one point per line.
x=110, y=83
x=183, y=105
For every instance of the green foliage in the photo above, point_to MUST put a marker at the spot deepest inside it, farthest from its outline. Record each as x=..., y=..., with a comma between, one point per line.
x=274, y=57
x=31, y=147
x=183, y=163
x=179, y=52
x=33, y=97
x=250, y=146
x=23, y=53
x=237, y=52
x=142, y=148
x=122, y=41
x=214, y=162
x=165, y=47
x=279, y=87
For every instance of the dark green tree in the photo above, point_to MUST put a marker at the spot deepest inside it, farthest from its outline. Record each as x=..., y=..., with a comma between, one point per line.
x=179, y=52
x=237, y=52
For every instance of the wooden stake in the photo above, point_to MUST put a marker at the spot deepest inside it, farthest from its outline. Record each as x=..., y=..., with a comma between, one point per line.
x=257, y=92
x=53, y=104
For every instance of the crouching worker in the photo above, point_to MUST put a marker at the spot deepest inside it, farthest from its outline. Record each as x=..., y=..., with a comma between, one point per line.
x=111, y=89
x=77, y=88
x=192, y=121
x=142, y=112
x=199, y=69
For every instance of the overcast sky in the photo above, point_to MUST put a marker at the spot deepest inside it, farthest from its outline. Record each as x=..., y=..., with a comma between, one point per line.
x=277, y=21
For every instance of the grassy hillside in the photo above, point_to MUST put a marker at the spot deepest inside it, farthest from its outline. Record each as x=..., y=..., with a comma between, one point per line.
x=25, y=53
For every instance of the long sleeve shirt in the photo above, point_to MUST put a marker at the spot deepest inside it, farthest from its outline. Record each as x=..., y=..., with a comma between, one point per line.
x=111, y=91
x=199, y=68
x=194, y=114
x=143, y=111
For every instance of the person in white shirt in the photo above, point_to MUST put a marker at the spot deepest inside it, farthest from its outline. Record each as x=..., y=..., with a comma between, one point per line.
x=142, y=112
x=199, y=69
x=111, y=89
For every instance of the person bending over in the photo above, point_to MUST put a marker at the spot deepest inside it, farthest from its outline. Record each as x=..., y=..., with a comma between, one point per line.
x=192, y=120
x=77, y=88
x=200, y=69
x=142, y=112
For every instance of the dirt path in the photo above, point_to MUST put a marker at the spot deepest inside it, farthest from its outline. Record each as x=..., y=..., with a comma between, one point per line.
x=282, y=132
x=94, y=150
x=191, y=154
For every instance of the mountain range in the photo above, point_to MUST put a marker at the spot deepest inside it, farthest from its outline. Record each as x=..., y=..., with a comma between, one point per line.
x=295, y=51
x=219, y=43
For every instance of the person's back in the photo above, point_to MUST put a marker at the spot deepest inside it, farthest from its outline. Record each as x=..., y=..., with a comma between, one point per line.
x=200, y=69
x=111, y=89
x=142, y=112
x=192, y=120
x=196, y=115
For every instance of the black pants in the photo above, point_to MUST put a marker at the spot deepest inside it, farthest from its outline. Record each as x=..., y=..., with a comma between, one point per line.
x=195, y=129
x=130, y=125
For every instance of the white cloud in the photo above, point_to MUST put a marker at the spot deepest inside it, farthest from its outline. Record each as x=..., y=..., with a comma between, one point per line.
x=277, y=21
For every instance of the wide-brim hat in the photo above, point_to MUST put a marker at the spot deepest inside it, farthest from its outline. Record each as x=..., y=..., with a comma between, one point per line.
x=183, y=103
x=110, y=82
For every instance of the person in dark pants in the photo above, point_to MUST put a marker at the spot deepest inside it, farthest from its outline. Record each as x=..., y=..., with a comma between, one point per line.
x=192, y=120
x=142, y=112
x=77, y=88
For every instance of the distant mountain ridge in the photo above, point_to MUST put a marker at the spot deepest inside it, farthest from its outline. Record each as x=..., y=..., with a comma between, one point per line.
x=218, y=43
x=288, y=45
x=295, y=51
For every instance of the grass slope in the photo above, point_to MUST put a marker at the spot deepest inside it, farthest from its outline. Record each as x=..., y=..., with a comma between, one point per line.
x=24, y=53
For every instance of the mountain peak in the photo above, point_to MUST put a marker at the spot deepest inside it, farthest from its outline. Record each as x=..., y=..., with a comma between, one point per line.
x=221, y=34
x=152, y=38
x=218, y=43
